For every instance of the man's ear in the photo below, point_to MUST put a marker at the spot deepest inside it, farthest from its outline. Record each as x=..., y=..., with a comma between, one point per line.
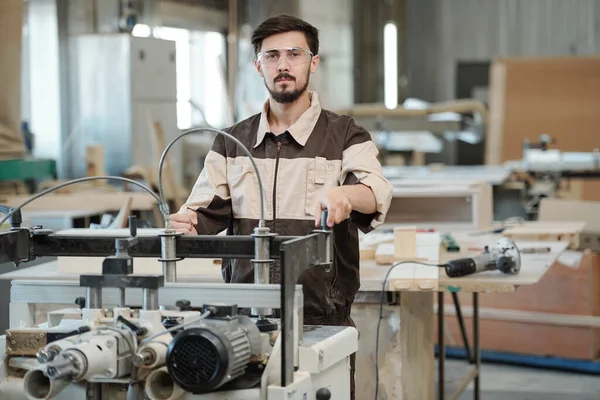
x=259, y=68
x=314, y=63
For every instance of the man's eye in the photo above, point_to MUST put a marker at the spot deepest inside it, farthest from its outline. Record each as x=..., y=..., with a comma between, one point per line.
x=271, y=56
x=295, y=53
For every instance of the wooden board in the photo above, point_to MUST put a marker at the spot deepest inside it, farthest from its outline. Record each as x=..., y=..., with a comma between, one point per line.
x=547, y=231
x=565, y=210
x=11, y=21
x=108, y=201
x=524, y=338
x=205, y=270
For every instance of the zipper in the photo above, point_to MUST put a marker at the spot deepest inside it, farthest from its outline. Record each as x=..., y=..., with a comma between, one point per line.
x=275, y=275
x=275, y=183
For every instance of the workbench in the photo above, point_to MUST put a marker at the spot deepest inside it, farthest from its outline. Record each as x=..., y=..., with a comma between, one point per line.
x=406, y=337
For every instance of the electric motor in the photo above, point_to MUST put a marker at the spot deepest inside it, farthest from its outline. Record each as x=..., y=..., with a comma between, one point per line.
x=205, y=358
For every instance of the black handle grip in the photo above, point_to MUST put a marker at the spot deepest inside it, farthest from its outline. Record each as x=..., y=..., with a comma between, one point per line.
x=77, y=331
x=132, y=225
x=323, y=394
x=460, y=267
x=324, y=216
x=136, y=329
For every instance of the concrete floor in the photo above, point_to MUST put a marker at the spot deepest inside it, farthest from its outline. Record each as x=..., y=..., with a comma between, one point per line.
x=507, y=382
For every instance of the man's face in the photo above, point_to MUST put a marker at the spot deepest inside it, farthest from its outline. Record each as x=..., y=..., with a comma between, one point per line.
x=285, y=63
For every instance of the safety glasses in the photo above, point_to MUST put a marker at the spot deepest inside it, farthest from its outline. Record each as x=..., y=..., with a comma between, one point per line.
x=293, y=56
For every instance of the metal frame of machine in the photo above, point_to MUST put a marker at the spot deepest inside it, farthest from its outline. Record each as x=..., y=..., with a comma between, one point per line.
x=73, y=354
x=296, y=254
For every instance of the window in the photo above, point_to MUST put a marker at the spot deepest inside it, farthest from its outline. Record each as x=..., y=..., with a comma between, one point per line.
x=201, y=81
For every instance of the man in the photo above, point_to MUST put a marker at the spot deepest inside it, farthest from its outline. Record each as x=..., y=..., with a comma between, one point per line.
x=308, y=159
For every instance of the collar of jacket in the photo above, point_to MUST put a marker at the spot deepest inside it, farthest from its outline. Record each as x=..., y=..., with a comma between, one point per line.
x=301, y=129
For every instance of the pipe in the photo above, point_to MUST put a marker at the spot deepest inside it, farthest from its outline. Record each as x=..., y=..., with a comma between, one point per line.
x=38, y=386
x=12, y=388
x=160, y=386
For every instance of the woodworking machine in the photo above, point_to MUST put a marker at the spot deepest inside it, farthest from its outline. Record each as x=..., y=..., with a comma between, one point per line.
x=539, y=173
x=151, y=337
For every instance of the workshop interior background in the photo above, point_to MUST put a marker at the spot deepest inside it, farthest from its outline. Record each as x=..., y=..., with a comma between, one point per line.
x=451, y=90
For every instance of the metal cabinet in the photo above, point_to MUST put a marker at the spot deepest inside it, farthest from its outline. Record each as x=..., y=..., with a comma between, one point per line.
x=118, y=85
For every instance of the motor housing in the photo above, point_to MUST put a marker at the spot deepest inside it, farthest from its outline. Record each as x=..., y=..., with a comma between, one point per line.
x=203, y=358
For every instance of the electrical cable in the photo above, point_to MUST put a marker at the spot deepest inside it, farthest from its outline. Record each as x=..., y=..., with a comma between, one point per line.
x=261, y=222
x=383, y=292
x=147, y=340
x=79, y=180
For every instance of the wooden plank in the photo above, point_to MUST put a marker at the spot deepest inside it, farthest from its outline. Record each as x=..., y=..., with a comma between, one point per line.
x=97, y=200
x=141, y=266
x=364, y=316
x=416, y=341
x=565, y=210
x=203, y=270
x=547, y=231
x=11, y=21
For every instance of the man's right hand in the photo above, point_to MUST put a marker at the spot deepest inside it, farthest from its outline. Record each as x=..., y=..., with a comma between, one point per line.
x=184, y=222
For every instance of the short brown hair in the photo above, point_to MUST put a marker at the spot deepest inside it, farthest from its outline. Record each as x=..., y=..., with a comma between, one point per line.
x=285, y=23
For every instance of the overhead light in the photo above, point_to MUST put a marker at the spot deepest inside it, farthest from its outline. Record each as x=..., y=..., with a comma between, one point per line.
x=390, y=65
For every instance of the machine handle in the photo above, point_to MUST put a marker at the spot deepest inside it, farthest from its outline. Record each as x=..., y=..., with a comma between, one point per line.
x=132, y=225
x=324, y=216
x=136, y=329
x=460, y=267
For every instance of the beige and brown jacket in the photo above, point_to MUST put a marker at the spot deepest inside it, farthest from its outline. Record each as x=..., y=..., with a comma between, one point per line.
x=320, y=150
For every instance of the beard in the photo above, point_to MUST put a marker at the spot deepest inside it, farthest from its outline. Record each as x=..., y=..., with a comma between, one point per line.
x=286, y=96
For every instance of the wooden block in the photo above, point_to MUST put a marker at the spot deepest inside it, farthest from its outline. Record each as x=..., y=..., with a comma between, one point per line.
x=367, y=253
x=405, y=242
x=384, y=255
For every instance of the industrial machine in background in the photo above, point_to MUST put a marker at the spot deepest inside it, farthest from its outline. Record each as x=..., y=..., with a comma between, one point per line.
x=519, y=185
x=542, y=169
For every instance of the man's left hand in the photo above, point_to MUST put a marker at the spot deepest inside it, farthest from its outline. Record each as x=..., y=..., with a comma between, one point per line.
x=338, y=205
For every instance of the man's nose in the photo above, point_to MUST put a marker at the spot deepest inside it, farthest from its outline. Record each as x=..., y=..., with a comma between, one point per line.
x=283, y=64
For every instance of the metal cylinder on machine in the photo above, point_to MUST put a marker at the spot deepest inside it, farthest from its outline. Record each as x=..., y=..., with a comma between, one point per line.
x=168, y=248
x=262, y=264
x=200, y=360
